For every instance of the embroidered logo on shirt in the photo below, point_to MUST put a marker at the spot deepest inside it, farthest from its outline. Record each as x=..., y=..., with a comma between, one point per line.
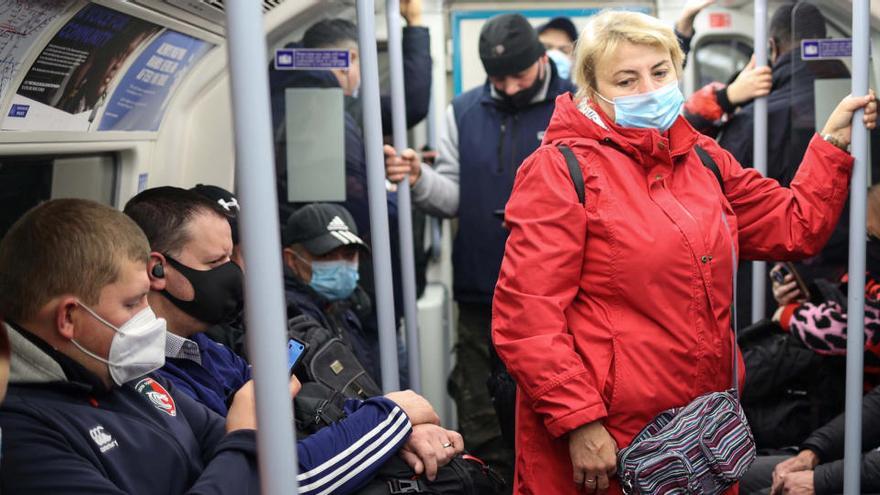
x=157, y=395
x=103, y=439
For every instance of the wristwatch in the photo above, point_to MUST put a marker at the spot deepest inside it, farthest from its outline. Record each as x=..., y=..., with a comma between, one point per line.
x=834, y=141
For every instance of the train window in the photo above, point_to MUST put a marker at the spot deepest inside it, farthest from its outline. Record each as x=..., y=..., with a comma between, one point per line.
x=27, y=181
x=719, y=59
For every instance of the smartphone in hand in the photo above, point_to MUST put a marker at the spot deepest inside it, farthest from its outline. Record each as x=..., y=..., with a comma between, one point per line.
x=779, y=275
x=295, y=351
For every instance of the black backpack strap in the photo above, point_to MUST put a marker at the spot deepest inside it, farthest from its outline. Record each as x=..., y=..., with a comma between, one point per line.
x=574, y=170
x=709, y=163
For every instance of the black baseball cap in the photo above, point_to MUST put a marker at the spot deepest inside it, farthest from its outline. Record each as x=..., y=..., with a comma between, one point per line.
x=508, y=45
x=227, y=201
x=563, y=24
x=321, y=228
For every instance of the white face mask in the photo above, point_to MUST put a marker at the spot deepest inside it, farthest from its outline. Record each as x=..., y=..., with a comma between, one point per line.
x=137, y=348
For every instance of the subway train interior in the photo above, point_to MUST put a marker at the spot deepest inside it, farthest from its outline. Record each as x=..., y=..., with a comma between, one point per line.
x=105, y=99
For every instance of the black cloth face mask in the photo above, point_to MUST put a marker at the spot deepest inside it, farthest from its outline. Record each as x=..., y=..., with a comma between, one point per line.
x=218, y=292
x=524, y=97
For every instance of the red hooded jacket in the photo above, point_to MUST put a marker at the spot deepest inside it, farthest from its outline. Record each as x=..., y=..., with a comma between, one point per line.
x=619, y=308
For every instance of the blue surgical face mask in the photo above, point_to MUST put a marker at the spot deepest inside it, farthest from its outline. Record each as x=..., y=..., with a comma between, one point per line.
x=335, y=280
x=656, y=109
x=562, y=62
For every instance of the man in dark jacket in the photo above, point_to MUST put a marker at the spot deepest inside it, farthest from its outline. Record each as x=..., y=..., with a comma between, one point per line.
x=321, y=257
x=341, y=34
x=790, y=104
x=818, y=467
x=491, y=129
x=791, y=124
x=230, y=334
x=194, y=285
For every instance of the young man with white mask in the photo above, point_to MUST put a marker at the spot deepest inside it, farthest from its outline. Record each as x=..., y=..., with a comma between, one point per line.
x=81, y=414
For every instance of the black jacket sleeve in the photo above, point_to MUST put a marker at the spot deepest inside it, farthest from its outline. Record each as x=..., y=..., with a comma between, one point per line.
x=828, y=478
x=416, y=78
x=828, y=443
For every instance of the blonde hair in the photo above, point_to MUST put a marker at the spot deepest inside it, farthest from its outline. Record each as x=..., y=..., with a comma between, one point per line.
x=607, y=30
x=65, y=246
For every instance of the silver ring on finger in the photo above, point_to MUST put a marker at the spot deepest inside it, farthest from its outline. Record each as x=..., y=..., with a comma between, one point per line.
x=591, y=481
x=447, y=445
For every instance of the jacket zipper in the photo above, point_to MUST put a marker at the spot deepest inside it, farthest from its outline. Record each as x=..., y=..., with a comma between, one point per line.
x=500, y=149
x=513, y=165
x=687, y=212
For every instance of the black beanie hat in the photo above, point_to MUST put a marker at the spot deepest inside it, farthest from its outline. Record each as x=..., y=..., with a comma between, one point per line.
x=508, y=44
x=563, y=24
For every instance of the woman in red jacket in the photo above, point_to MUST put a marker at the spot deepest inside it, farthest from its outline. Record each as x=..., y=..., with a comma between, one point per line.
x=609, y=312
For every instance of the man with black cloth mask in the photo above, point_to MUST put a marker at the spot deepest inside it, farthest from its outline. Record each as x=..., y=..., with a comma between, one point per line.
x=491, y=129
x=194, y=284
x=229, y=333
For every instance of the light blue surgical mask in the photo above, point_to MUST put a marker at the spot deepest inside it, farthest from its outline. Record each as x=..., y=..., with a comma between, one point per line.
x=335, y=280
x=656, y=109
x=562, y=62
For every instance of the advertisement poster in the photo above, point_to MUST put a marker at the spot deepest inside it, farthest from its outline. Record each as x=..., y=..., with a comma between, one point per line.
x=139, y=101
x=21, y=24
x=68, y=82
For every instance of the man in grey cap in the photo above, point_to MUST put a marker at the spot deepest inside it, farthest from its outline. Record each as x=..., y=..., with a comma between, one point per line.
x=321, y=257
x=491, y=129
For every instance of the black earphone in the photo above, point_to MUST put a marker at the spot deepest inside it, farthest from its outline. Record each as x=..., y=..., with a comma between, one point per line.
x=158, y=270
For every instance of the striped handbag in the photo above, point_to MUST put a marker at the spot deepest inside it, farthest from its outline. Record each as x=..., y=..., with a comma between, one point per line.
x=701, y=448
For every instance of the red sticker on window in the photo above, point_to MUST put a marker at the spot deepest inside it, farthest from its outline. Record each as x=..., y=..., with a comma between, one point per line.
x=719, y=20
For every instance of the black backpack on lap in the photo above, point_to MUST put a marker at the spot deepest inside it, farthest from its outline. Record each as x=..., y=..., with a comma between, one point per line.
x=330, y=374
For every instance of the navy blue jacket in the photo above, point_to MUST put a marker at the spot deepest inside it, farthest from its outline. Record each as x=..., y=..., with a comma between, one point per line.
x=493, y=140
x=215, y=380
x=68, y=434
x=356, y=199
x=418, y=69
x=340, y=317
x=66, y=438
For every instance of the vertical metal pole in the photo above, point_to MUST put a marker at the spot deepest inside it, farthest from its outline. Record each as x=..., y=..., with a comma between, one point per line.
x=381, y=242
x=759, y=268
x=855, y=334
x=264, y=297
x=404, y=206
